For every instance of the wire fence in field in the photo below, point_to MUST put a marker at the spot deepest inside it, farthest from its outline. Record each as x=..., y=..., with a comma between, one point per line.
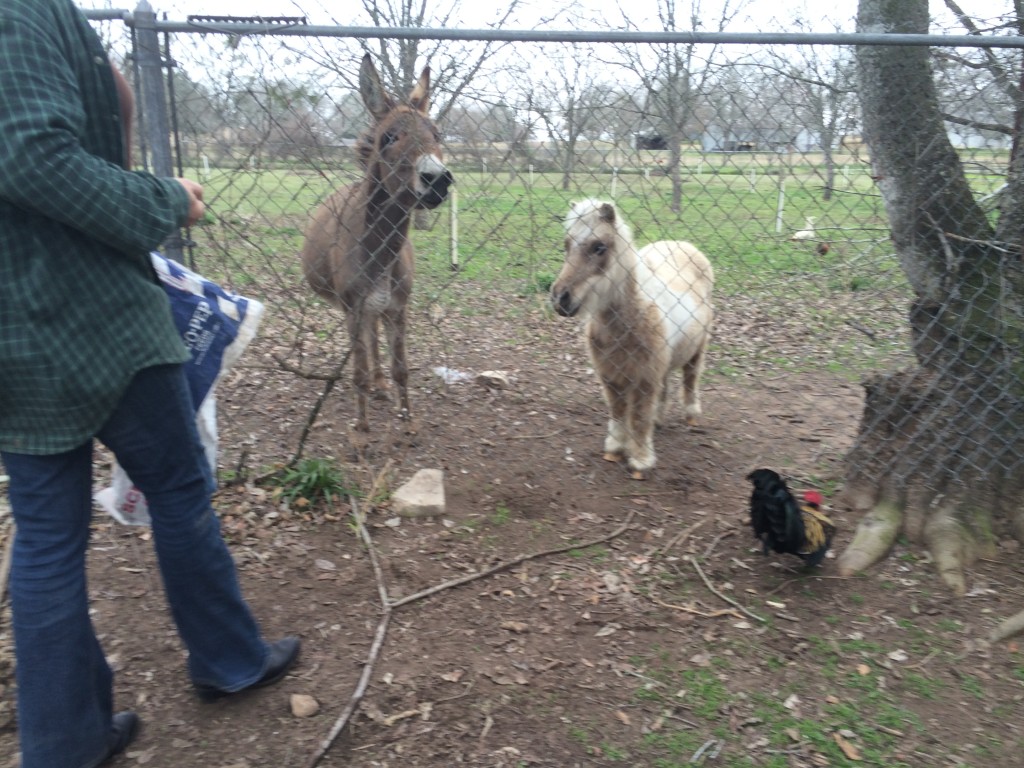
x=750, y=147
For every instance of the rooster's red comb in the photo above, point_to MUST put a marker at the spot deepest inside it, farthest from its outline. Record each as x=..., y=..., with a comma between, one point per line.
x=813, y=497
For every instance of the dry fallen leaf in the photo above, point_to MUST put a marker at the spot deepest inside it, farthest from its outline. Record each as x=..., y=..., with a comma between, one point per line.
x=851, y=752
x=623, y=717
x=501, y=677
x=453, y=677
x=863, y=669
x=515, y=626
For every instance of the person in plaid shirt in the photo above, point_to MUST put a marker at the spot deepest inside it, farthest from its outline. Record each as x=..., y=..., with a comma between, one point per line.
x=88, y=351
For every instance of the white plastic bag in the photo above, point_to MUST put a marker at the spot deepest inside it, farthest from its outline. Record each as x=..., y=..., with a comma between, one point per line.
x=216, y=326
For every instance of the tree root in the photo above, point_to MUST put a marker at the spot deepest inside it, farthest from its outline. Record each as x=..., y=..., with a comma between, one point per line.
x=951, y=547
x=955, y=534
x=957, y=531
x=1009, y=628
x=874, y=537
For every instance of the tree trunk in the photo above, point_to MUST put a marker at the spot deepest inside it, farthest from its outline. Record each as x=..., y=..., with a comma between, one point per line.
x=940, y=452
x=675, y=170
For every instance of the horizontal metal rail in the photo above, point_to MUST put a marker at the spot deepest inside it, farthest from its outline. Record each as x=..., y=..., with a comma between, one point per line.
x=561, y=36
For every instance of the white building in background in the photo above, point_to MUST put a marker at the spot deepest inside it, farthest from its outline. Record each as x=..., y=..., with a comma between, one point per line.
x=965, y=137
x=717, y=138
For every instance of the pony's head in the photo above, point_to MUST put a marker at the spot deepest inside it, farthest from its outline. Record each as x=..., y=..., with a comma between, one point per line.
x=596, y=237
x=402, y=149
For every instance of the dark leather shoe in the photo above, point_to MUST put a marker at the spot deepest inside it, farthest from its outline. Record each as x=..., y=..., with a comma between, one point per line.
x=283, y=655
x=123, y=729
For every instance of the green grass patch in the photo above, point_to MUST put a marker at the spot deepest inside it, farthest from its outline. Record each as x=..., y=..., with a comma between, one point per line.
x=312, y=480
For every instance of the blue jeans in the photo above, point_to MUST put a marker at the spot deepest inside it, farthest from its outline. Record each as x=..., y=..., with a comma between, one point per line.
x=65, y=687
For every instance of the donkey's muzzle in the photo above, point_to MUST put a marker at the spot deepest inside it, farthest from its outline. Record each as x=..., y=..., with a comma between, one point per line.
x=563, y=303
x=434, y=188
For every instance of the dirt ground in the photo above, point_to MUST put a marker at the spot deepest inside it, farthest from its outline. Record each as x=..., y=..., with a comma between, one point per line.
x=670, y=642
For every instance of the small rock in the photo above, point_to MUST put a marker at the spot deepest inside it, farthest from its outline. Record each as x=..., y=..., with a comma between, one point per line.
x=493, y=379
x=422, y=496
x=304, y=706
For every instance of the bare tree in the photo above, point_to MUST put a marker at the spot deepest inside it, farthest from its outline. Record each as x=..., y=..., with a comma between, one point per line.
x=453, y=66
x=825, y=97
x=940, y=454
x=674, y=77
x=568, y=103
x=978, y=88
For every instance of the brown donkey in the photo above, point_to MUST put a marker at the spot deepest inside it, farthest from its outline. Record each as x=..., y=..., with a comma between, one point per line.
x=357, y=253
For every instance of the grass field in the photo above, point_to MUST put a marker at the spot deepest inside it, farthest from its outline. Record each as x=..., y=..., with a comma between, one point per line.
x=741, y=209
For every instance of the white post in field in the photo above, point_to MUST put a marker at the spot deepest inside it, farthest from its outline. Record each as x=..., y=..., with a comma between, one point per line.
x=453, y=221
x=782, y=204
x=615, y=181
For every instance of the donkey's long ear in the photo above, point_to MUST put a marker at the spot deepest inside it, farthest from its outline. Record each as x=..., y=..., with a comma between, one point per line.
x=420, y=96
x=376, y=99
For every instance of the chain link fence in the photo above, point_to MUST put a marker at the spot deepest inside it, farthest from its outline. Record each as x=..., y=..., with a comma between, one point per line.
x=751, y=147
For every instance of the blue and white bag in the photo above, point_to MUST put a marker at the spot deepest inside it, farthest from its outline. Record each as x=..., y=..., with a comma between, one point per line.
x=216, y=326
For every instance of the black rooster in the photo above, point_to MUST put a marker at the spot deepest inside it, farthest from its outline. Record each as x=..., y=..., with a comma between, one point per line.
x=785, y=525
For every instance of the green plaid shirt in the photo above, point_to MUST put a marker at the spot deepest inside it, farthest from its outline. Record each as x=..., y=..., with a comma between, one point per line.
x=80, y=309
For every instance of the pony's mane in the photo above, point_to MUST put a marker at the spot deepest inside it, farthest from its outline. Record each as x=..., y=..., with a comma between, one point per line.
x=586, y=215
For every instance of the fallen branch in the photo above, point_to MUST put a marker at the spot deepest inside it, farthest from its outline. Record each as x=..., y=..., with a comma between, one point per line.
x=709, y=750
x=696, y=612
x=378, y=481
x=679, y=538
x=718, y=594
x=378, y=640
x=510, y=563
x=787, y=582
x=388, y=607
x=535, y=437
x=714, y=542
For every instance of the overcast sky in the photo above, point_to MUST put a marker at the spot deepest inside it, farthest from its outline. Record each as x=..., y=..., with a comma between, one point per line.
x=475, y=14
x=755, y=16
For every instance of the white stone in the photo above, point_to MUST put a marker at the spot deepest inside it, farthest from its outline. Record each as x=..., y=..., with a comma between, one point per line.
x=421, y=496
x=494, y=379
x=304, y=706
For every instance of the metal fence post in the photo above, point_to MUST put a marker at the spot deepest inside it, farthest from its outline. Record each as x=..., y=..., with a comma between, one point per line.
x=154, y=121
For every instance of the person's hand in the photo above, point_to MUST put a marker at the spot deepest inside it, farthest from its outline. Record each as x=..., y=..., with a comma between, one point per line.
x=196, y=207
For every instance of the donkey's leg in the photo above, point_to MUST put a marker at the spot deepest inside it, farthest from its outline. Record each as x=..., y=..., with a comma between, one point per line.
x=691, y=385
x=359, y=337
x=395, y=325
x=381, y=384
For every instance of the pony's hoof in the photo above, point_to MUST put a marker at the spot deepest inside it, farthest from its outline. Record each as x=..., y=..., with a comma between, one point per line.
x=613, y=457
x=638, y=474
